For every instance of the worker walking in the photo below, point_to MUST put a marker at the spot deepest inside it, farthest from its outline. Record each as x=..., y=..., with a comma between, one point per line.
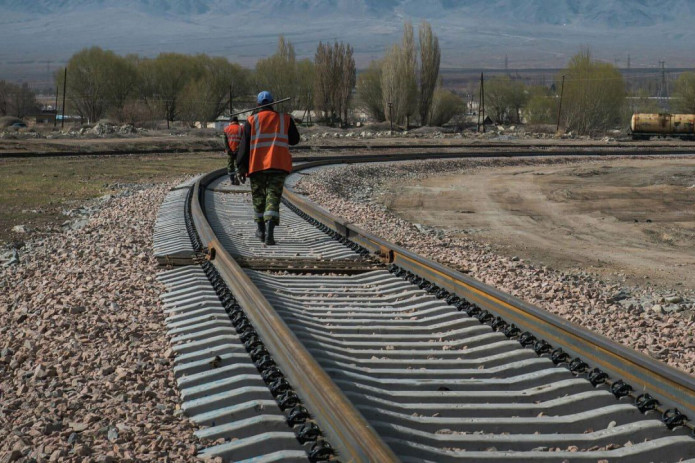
x=232, y=138
x=264, y=157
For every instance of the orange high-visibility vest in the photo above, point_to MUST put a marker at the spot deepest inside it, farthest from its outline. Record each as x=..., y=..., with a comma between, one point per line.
x=269, y=147
x=234, y=132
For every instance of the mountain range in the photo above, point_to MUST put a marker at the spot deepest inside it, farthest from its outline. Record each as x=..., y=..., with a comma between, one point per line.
x=39, y=34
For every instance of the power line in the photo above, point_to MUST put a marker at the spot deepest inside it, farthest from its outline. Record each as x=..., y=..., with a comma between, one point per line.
x=663, y=91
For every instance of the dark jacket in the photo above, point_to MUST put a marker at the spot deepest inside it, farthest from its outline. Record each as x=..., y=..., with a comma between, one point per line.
x=244, y=153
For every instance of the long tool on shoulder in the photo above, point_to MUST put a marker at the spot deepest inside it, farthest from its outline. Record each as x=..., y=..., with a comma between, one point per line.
x=260, y=106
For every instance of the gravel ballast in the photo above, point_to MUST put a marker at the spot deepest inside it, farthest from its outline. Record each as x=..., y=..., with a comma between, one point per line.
x=352, y=192
x=85, y=370
x=85, y=367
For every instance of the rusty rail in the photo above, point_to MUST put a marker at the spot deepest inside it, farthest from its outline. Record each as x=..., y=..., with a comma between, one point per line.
x=345, y=427
x=670, y=386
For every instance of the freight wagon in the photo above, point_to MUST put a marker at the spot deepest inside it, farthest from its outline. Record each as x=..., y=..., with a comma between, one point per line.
x=645, y=126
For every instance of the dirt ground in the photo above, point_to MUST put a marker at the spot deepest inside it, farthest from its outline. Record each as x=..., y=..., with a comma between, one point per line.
x=116, y=144
x=626, y=220
x=37, y=192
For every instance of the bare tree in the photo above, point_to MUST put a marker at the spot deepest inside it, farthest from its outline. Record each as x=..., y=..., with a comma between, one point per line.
x=206, y=96
x=504, y=99
x=122, y=81
x=409, y=73
x=369, y=93
x=306, y=72
x=325, y=80
x=348, y=74
x=392, y=100
x=17, y=100
x=4, y=97
x=398, y=80
x=163, y=79
x=23, y=101
x=335, y=79
x=5, y=89
x=430, y=57
x=278, y=73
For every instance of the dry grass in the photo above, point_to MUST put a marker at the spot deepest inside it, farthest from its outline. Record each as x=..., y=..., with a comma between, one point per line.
x=34, y=192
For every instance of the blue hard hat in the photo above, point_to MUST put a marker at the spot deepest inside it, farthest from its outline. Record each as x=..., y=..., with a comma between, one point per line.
x=264, y=97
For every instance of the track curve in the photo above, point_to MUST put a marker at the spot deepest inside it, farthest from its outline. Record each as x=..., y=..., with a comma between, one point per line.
x=398, y=358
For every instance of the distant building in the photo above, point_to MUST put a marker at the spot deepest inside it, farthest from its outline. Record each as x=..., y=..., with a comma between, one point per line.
x=47, y=116
x=219, y=125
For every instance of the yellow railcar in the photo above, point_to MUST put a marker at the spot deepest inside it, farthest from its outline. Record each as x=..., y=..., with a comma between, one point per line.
x=645, y=126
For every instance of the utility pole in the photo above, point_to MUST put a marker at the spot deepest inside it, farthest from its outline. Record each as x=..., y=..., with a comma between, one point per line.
x=482, y=91
x=481, y=105
x=65, y=83
x=663, y=93
x=391, y=116
x=55, y=108
x=559, y=109
x=506, y=64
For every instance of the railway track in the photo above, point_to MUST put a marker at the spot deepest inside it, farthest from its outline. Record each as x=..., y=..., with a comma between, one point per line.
x=338, y=345
x=314, y=152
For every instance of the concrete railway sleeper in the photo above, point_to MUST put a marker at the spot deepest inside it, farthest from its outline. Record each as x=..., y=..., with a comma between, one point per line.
x=407, y=361
x=229, y=383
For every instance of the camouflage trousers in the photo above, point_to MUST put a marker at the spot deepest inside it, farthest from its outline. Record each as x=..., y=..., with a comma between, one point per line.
x=231, y=161
x=266, y=191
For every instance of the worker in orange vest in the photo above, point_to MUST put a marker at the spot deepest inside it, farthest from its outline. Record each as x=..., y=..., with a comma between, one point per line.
x=232, y=138
x=264, y=157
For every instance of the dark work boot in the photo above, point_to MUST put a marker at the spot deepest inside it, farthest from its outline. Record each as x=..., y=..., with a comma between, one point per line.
x=260, y=233
x=269, y=238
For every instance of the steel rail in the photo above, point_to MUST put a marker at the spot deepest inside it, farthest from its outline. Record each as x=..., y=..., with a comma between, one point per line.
x=343, y=424
x=345, y=427
x=670, y=386
x=624, y=149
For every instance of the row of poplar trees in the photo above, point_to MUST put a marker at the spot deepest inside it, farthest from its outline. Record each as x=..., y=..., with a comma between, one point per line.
x=401, y=88
x=323, y=85
x=178, y=87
